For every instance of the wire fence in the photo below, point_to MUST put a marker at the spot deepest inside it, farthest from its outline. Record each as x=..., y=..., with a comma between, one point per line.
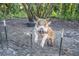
x=19, y=40
x=20, y=43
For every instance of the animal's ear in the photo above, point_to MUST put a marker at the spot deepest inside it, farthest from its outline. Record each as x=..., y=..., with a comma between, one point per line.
x=48, y=21
x=36, y=18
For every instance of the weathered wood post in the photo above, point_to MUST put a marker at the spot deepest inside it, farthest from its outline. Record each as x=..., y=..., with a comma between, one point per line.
x=62, y=34
x=5, y=29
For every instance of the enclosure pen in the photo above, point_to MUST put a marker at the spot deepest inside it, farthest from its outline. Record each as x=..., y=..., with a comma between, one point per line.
x=62, y=34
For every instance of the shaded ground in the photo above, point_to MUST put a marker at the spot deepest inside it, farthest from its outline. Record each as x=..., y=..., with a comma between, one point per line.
x=19, y=43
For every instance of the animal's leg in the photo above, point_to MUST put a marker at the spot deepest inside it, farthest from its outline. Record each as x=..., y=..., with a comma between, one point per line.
x=47, y=42
x=36, y=37
x=50, y=42
x=53, y=42
x=43, y=40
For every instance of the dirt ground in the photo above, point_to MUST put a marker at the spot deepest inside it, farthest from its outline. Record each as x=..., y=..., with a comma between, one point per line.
x=21, y=44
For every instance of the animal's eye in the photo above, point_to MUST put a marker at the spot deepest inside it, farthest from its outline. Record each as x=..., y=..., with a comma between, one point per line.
x=44, y=24
x=38, y=23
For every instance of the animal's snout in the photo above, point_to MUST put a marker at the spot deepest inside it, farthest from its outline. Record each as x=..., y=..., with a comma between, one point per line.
x=41, y=30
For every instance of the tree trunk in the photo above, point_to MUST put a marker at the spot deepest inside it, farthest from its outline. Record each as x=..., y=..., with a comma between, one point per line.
x=28, y=11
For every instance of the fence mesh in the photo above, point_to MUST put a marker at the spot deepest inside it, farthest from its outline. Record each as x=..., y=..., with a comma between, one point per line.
x=19, y=43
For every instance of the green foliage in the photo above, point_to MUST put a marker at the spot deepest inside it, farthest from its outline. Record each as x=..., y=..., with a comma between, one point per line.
x=40, y=10
x=65, y=11
x=8, y=10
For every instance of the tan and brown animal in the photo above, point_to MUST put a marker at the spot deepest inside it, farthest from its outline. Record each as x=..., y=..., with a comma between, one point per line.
x=43, y=30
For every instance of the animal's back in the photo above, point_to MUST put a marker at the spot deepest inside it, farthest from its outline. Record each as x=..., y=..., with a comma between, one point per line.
x=51, y=33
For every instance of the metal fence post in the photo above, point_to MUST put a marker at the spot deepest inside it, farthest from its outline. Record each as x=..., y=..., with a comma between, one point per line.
x=31, y=43
x=5, y=29
x=1, y=40
x=61, y=42
x=30, y=35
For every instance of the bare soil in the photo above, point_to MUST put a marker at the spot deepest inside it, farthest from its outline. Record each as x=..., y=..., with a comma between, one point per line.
x=21, y=44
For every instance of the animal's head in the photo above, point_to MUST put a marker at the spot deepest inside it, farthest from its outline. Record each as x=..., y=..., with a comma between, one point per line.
x=42, y=25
